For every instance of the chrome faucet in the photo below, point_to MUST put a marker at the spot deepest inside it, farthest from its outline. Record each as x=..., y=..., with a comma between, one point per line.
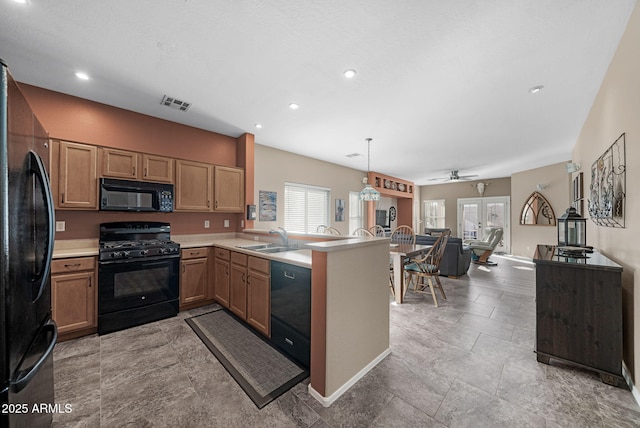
x=283, y=234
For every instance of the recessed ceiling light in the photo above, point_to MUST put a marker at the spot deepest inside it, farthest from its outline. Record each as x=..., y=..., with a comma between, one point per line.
x=536, y=89
x=259, y=126
x=294, y=106
x=82, y=76
x=349, y=73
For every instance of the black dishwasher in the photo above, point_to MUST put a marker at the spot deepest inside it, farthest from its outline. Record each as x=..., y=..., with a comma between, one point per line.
x=291, y=310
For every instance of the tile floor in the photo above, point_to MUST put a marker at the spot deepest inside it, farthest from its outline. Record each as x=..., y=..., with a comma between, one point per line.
x=468, y=363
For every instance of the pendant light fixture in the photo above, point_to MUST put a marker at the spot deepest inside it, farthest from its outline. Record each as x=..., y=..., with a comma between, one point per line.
x=369, y=193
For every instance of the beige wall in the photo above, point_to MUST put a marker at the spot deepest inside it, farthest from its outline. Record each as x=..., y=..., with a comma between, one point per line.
x=523, y=184
x=275, y=167
x=614, y=111
x=450, y=192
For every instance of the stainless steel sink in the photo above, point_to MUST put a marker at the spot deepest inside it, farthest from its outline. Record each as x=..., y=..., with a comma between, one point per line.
x=275, y=249
x=254, y=246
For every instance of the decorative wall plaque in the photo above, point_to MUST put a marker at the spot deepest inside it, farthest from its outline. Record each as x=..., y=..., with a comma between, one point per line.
x=608, y=186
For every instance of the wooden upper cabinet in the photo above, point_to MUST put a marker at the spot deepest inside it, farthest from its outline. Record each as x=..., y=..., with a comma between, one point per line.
x=157, y=168
x=77, y=181
x=194, y=186
x=128, y=165
x=228, y=189
x=119, y=164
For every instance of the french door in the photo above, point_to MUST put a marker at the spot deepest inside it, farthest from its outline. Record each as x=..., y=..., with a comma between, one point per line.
x=475, y=215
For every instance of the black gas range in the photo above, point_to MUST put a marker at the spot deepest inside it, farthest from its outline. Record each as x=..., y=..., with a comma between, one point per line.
x=130, y=240
x=138, y=274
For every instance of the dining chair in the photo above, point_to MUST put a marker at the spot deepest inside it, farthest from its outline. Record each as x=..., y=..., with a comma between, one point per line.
x=428, y=267
x=403, y=235
x=377, y=230
x=332, y=231
x=361, y=231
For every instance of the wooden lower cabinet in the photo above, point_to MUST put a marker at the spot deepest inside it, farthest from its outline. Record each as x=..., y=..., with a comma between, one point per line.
x=259, y=295
x=222, y=276
x=238, y=285
x=74, y=296
x=194, y=277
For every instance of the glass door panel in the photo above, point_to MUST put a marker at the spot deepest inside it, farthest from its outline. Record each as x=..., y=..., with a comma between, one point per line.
x=476, y=215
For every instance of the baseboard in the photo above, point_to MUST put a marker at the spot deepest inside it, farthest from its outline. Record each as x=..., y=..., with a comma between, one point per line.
x=328, y=401
x=627, y=377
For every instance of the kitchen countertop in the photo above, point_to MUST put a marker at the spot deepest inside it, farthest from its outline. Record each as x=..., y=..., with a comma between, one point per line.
x=231, y=241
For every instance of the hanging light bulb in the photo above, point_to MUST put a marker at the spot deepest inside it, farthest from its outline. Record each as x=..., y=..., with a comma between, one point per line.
x=369, y=193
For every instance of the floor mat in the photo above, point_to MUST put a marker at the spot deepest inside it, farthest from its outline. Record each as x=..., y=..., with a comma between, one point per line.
x=261, y=370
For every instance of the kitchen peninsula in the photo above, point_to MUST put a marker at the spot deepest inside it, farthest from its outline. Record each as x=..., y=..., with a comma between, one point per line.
x=349, y=297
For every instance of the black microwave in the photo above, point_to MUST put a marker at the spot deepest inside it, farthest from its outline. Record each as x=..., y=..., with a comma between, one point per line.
x=127, y=195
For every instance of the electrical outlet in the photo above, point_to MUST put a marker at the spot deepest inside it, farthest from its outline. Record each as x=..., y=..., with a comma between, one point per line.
x=206, y=224
x=226, y=223
x=242, y=223
x=60, y=226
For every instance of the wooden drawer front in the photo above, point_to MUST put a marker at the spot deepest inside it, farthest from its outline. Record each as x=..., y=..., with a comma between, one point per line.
x=194, y=253
x=238, y=258
x=72, y=265
x=221, y=253
x=261, y=265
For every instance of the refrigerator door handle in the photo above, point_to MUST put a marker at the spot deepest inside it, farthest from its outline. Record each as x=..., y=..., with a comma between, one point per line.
x=23, y=377
x=37, y=168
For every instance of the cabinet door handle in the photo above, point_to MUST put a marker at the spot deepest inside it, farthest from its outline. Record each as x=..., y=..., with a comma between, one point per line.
x=226, y=269
x=208, y=204
x=145, y=172
x=216, y=204
x=194, y=253
x=183, y=268
x=62, y=197
x=72, y=266
x=90, y=282
x=243, y=277
x=133, y=170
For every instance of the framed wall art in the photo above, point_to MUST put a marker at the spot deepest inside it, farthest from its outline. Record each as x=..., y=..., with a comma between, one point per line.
x=607, y=192
x=268, y=210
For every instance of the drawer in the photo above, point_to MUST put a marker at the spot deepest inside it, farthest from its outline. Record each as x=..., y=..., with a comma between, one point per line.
x=239, y=258
x=261, y=265
x=195, y=253
x=73, y=265
x=221, y=253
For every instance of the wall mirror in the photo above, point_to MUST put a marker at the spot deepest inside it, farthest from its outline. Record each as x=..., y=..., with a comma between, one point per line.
x=537, y=211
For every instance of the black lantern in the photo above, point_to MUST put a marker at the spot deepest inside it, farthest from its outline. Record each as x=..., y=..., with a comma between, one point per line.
x=572, y=229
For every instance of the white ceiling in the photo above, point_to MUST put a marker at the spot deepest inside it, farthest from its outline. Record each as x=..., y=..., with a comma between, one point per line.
x=440, y=85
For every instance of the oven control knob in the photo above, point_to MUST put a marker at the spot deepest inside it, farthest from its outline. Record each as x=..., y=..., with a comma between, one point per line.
x=116, y=254
x=126, y=253
x=144, y=252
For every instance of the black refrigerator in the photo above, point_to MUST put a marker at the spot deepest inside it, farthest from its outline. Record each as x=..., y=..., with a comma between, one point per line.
x=27, y=331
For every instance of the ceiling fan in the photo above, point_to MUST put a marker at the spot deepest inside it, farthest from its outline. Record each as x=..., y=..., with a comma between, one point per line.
x=454, y=176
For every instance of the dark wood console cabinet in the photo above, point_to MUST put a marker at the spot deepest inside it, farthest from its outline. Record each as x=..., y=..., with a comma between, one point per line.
x=579, y=311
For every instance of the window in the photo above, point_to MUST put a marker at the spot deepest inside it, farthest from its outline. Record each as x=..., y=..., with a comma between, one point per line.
x=355, y=211
x=434, y=214
x=305, y=207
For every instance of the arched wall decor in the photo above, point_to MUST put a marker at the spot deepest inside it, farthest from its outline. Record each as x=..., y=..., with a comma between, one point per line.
x=537, y=211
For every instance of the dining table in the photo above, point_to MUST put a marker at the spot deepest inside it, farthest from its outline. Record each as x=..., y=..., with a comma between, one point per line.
x=400, y=253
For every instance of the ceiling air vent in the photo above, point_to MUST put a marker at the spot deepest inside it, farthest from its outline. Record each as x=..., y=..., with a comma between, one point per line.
x=175, y=104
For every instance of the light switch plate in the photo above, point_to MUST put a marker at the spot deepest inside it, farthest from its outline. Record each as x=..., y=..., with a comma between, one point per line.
x=226, y=223
x=60, y=226
x=206, y=224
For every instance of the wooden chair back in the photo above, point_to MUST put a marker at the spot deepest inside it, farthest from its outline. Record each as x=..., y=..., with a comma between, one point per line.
x=332, y=231
x=361, y=231
x=377, y=230
x=403, y=235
